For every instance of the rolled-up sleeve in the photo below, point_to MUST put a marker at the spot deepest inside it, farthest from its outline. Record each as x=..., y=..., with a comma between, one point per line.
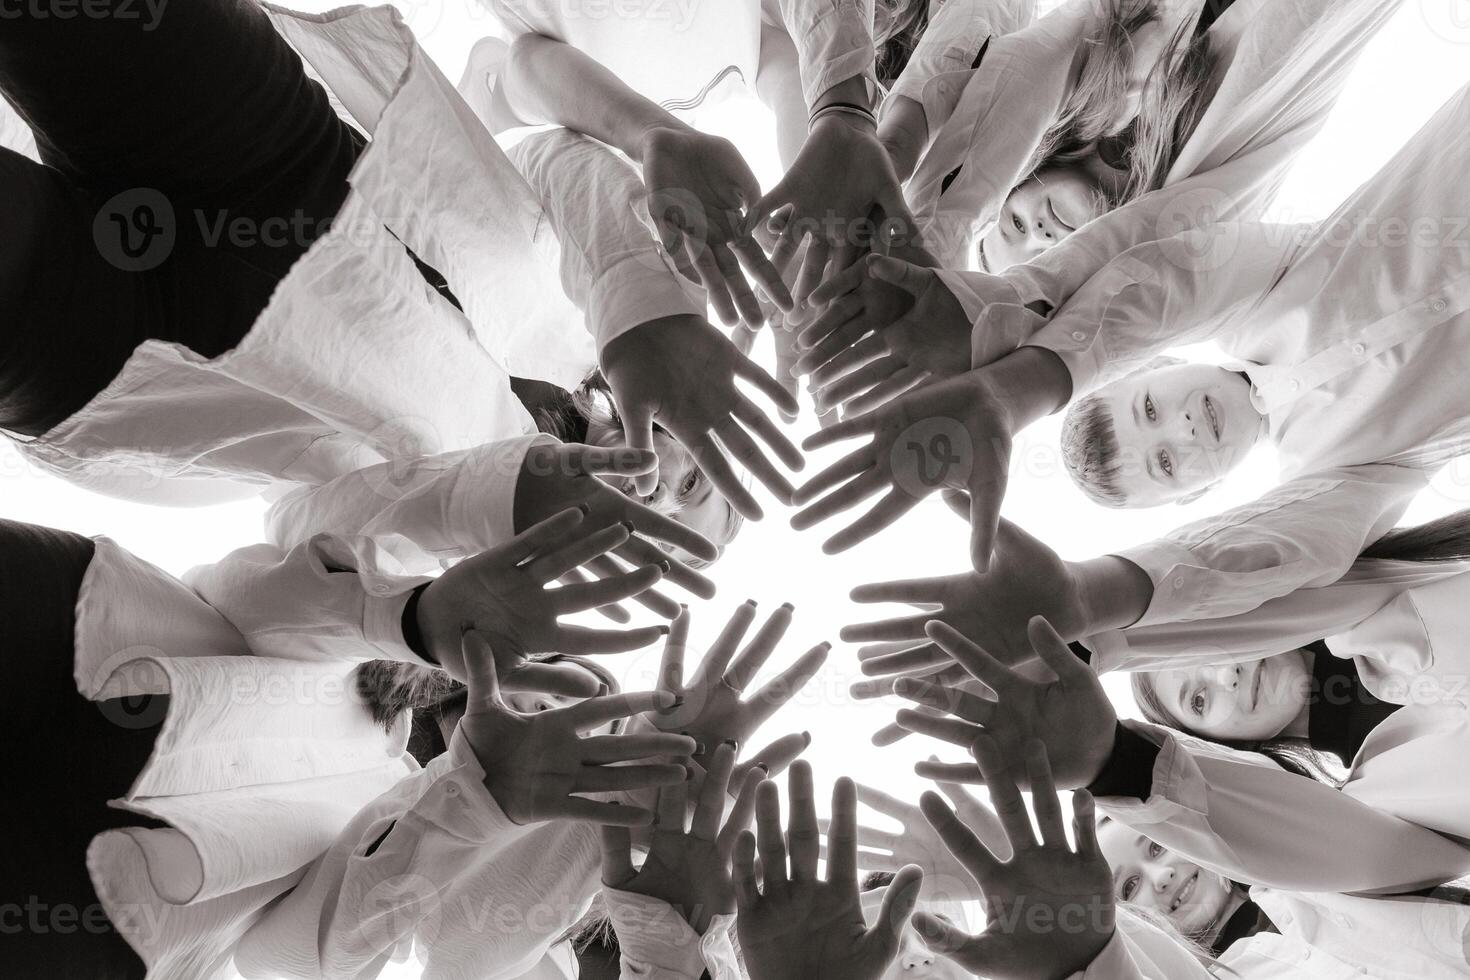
x=325, y=599
x=1304, y=533
x=1243, y=816
x=1161, y=294
x=834, y=42
x=611, y=265
x=657, y=943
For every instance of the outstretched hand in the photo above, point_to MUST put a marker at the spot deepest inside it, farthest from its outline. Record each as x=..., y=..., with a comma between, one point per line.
x=1049, y=909
x=679, y=373
x=536, y=764
x=795, y=926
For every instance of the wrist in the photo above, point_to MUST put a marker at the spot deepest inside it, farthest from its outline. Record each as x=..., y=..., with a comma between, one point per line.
x=652, y=133
x=1113, y=593
x=852, y=90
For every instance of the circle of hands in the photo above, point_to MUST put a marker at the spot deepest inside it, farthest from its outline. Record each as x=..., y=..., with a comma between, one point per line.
x=888, y=349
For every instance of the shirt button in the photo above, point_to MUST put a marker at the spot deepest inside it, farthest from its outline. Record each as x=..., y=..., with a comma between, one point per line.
x=1359, y=349
x=1295, y=384
x=1078, y=335
x=1179, y=583
x=452, y=789
x=381, y=589
x=1438, y=306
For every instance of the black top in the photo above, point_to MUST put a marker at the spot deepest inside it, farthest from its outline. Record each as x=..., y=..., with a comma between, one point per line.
x=1343, y=711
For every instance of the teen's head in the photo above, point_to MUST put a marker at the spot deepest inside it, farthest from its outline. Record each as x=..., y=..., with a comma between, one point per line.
x=915, y=960
x=1165, y=433
x=1044, y=209
x=1195, y=900
x=1246, y=702
x=683, y=492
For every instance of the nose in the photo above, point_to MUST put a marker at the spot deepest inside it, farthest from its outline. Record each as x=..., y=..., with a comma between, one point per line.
x=1163, y=876
x=916, y=958
x=1184, y=428
x=1225, y=677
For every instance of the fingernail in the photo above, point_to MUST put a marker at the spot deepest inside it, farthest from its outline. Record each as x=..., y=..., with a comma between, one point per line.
x=807, y=736
x=732, y=743
x=628, y=525
x=666, y=565
x=678, y=701
x=683, y=607
x=663, y=631
x=763, y=768
x=584, y=509
x=788, y=607
x=698, y=748
x=751, y=603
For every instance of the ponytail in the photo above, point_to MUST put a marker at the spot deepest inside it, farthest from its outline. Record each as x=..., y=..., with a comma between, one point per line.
x=1443, y=539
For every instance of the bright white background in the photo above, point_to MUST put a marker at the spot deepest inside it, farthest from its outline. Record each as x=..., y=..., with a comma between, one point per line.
x=1420, y=58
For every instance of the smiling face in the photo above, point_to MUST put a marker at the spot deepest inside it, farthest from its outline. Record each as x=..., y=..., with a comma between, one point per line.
x=1047, y=207
x=1196, y=900
x=1244, y=702
x=683, y=492
x=1179, y=430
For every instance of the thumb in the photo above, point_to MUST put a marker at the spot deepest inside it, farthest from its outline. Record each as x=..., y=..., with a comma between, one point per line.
x=617, y=859
x=987, y=490
x=638, y=435
x=940, y=935
x=480, y=675
x=912, y=279
x=615, y=460
x=899, y=899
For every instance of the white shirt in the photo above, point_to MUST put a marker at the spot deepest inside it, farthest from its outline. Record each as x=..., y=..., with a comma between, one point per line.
x=1279, y=68
x=1323, y=937
x=1403, y=624
x=684, y=55
x=1354, y=340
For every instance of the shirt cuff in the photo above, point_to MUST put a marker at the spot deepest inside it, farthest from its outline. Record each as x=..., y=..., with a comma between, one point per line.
x=1109, y=649
x=1129, y=770
x=637, y=290
x=657, y=942
x=1176, y=575
x=383, y=626
x=481, y=509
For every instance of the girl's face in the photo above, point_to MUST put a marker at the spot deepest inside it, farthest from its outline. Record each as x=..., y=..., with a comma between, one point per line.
x=915, y=960
x=1194, y=899
x=1043, y=210
x=532, y=702
x=1243, y=702
x=684, y=493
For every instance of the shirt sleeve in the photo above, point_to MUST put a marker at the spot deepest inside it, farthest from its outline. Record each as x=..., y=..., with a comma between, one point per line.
x=1303, y=534
x=834, y=42
x=941, y=62
x=1284, y=79
x=394, y=880
x=611, y=265
x=1243, y=816
x=421, y=513
x=1140, y=950
x=1179, y=290
x=1368, y=590
x=657, y=943
x=323, y=600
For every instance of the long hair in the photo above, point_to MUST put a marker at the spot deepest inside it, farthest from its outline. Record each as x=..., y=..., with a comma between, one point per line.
x=898, y=25
x=1176, y=94
x=1442, y=539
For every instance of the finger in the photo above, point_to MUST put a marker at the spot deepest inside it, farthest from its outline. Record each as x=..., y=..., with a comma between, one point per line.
x=813, y=267
x=842, y=836
x=743, y=869
x=981, y=665
x=869, y=860
x=890, y=734
x=883, y=514
x=818, y=350
x=849, y=495
x=869, y=838
x=703, y=259
x=576, y=598
x=899, y=628
x=768, y=836
x=712, y=463
x=710, y=806
x=943, y=936
x=599, y=749
x=1055, y=653
x=951, y=730
x=560, y=679
x=740, y=814
x=802, y=837
x=760, y=423
x=899, y=900
x=744, y=668
x=753, y=258
x=744, y=336
x=599, y=711
x=583, y=640
x=910, y=590
x=883, y=803
x=1005, y=795
x=959, y=839
x=480, y=674
x=950, y=772
x=957, y=501
x=653, y=599
x=1084, y=823
x=638, y=434
x=604, y=779
x=593, y=811
x=867, y=350
x=954, y=701
x=854, y=463
x=672, y=808
x=671, y=664
x=639, y=551
x=845, y=281
x=912, y=279
x=578, y=459
x=617, y=856
x=914, y=660
x=844, y=386
x=987, y=488
x=783, y=686
x=839, y=312
x=554, y=563
x=846, y=429
x=748, y=307
x=774, y=758
x=614, y=612
x=712, y=667
x=1044, y=801
x=743, y=449
x=555, y=531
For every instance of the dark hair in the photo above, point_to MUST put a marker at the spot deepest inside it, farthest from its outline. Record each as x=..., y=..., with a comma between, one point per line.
x=877, y=879
x=1442, y=539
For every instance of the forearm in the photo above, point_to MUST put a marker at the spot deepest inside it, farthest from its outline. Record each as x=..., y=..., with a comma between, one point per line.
x=904, y=132
x=1115, y=593
x=547, y=81
x=1032, y=382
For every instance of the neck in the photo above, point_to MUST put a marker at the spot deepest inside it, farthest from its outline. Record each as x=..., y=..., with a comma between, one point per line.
x=1299, y=727
x=1233, y=901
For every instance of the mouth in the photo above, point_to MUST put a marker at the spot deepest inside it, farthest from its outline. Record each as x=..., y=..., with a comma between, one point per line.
x=1186, y=892
x=1213, y=417
x=984, y=262
x=1256, y=684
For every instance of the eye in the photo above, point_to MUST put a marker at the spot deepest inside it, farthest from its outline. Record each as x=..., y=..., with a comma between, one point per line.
x=1154, y=850
x=1197, y=703
x=1020, y=226
x=1128, y=889
x=690, y=482
x=1165, y=463
x=1148, y=408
